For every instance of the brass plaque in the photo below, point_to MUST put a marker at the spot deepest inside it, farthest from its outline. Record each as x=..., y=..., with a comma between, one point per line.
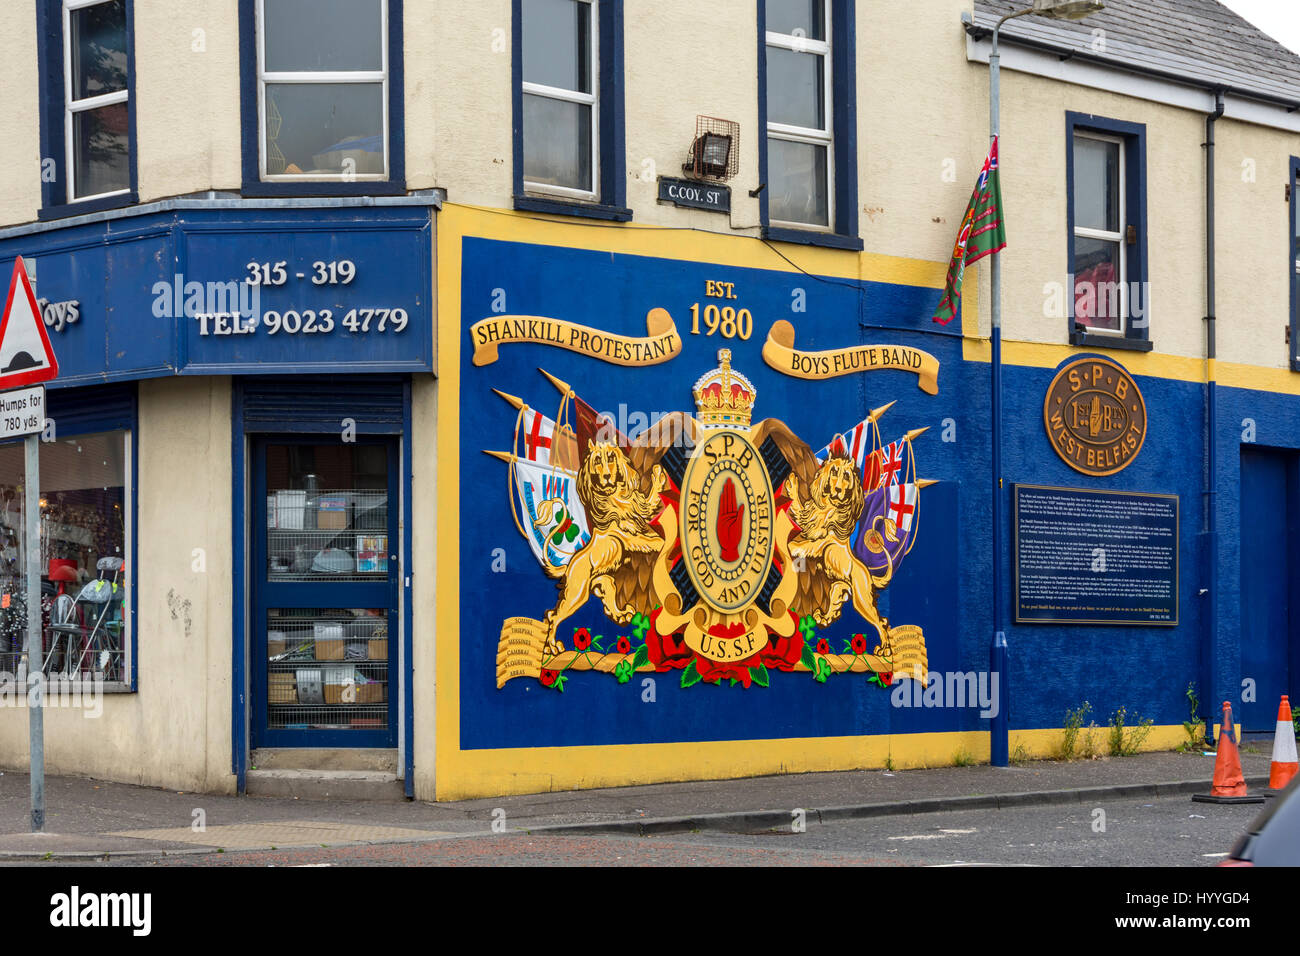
x=1095, y=416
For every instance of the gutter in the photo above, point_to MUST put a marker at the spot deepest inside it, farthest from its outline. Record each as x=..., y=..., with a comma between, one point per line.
x=1210, y=536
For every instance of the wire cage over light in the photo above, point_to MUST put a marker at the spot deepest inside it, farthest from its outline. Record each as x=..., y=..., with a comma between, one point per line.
x=715, y=151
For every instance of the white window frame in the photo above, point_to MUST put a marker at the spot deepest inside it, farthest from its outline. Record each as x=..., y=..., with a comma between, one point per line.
x=72, y=106
x=804, y=134
x=325, y=76
x=1120, y=238
x=591, y=99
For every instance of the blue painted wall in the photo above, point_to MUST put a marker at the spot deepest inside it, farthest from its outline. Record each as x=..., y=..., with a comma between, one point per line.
x=942, y=586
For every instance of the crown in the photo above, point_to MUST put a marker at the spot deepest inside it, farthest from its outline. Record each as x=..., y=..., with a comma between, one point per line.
x=724, y=398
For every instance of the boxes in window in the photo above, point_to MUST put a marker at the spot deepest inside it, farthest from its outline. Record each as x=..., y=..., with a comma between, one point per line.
x=372, y=692
x=332, y=513
x=281, y=689
x=309, y=685
x=340, y=685
x=372, y=554
x=289, y=508
x=276, y=643
x=330, y=645
x=378, y=649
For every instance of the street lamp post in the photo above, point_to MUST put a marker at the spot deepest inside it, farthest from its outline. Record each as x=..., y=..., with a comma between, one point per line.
x=999, y=732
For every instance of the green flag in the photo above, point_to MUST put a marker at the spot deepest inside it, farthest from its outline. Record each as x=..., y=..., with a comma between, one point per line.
x=981, y=234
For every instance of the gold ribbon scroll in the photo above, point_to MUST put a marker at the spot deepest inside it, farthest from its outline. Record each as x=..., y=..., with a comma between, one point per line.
x=780, y=353
x=660, y=345
x=519, y=651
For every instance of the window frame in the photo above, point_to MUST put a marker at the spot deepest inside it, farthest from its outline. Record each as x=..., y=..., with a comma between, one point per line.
x=841, y=121
x=806, y=134
x=608, y=197
x=253, y=80
x=53, y=51
x=1133, y=259
x=1293, y=264
x=591, y=99
x=1104, y=235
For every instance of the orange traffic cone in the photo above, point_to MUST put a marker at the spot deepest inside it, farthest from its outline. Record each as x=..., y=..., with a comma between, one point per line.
x=1229, y=783
x=1284, y=756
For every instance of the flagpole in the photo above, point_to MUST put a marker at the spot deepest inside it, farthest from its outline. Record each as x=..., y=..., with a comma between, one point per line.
x=999, y=729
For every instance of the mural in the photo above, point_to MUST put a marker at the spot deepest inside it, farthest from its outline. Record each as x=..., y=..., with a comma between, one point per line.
x=716, y=546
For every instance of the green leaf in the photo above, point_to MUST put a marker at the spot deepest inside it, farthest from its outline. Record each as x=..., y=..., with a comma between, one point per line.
x=559, y=683
x=733, y=682
x=759, y=675
x=690, y=676
x=642, y=656
x=595, y=642
x=807, y=658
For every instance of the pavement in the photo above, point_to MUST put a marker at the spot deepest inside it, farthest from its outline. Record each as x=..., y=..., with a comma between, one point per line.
x=95, y=819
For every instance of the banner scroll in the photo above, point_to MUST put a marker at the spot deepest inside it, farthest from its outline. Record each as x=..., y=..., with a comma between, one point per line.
x=661, y=344
x=780, y=353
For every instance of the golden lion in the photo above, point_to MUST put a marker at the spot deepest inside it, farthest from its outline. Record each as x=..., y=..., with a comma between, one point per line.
x=832, y=574
x=616, y=563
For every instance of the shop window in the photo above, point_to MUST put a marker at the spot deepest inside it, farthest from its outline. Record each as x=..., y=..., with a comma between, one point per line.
x=1109, y=304
x=86, y=576
x=568, y=107
x=88, y=119
x=322, y=96
x=806, y=103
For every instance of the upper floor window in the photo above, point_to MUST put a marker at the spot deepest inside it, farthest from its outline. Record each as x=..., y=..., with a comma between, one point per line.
x=800, y=147
x=87, y=105
x=1110, y=304
x=322, y=96
x=807, y=156
x=1100, y=276
x=96, y=118
x=568, y=107
x=323, y=90
x=561, y=98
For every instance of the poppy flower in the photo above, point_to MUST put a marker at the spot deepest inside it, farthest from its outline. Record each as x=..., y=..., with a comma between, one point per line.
x=887, y=678
x=859, y=644
x=624, y=646
x=581, y=639
x=548, y=677
x=823, y=647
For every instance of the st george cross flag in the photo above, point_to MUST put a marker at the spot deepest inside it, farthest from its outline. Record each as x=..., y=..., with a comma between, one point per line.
x=890, y=511
x=544, y=443
x=982, y=233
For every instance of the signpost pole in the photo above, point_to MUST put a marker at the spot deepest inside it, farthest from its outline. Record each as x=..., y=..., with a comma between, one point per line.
x=35, y=670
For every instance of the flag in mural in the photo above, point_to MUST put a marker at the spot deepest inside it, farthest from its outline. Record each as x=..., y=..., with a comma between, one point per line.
x=551, y=517
x=861, y=444
x=982, y=233
x=889, y=521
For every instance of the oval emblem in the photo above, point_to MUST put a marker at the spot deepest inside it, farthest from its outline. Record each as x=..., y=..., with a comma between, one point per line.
x=1095, y=416
x=727, y=515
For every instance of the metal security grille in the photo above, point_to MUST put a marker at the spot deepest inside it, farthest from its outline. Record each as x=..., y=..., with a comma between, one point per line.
x=337, y=534
x=327, y=668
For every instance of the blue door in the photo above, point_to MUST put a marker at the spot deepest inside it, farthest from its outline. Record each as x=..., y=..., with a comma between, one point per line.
x=323, y=617
x=1270, y=609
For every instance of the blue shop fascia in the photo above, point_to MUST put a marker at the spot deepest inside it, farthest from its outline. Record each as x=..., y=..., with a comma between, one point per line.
x=319, y=314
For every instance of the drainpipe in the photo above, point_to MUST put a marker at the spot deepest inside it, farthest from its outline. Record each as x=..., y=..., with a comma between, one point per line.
x=1210, y=507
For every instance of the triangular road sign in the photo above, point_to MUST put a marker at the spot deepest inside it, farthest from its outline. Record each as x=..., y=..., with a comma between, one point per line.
x=25, y=354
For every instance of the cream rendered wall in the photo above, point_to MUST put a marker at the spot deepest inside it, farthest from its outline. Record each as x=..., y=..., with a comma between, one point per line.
x=463, y=67
x=922, y=126
x=187, y=96
x=20, y=142
x=1033, y=152
x=425, y=566
x=175, y=732
x=1253, y=223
